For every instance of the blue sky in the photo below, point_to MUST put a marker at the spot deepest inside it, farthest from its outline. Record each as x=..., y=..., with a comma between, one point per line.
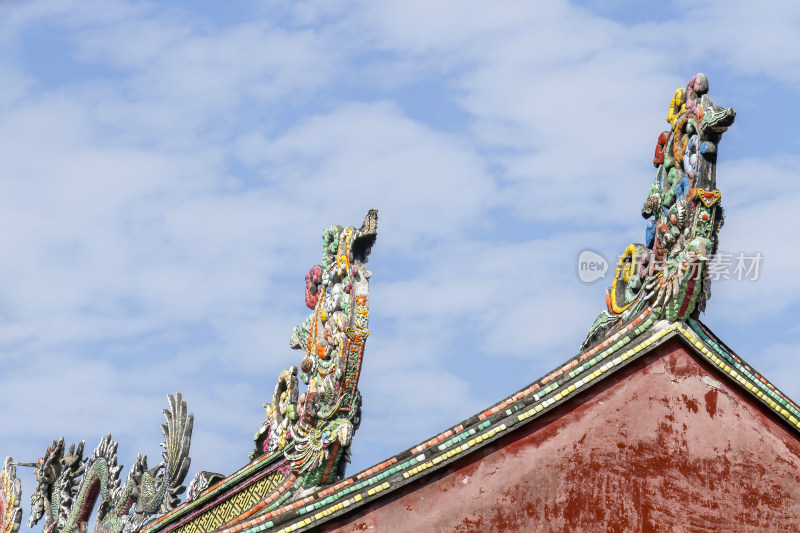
x=167, y=171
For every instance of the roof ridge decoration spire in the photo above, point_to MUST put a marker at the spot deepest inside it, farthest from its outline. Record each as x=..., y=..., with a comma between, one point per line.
x=314, y=430
x=10, y=497
x=669, y=272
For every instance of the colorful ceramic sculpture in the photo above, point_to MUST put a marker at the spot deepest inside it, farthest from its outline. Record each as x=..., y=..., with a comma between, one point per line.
x=669, y=273
x=314, y=429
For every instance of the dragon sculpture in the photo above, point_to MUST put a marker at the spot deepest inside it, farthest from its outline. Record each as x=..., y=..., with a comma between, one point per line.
x=669, y=273
x=314, y=429
x=68, y=487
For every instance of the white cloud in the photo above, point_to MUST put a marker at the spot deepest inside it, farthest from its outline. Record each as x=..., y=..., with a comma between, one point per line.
x=560, y=99
x=759, y=42
x=430, y=186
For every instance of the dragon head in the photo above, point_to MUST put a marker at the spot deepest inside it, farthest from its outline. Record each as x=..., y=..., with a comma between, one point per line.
x=715, y=119
x=57, y=475
x=46, y=473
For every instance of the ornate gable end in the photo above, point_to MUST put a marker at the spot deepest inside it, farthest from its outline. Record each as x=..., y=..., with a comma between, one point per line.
x=661, y=444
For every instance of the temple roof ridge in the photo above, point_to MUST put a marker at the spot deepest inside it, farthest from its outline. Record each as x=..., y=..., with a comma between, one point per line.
x=576, y=375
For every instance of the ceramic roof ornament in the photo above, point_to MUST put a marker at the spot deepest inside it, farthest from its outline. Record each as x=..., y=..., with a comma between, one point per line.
x=669, y=272
x=10, y=494
x=314, y=429
x=69, y=487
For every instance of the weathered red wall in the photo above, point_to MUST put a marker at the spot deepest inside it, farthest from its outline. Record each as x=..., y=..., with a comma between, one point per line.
x=654, y=448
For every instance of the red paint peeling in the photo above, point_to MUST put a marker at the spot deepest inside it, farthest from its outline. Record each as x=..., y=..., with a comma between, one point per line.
x=711, y=402
x=691, y=404
x=634, y=453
